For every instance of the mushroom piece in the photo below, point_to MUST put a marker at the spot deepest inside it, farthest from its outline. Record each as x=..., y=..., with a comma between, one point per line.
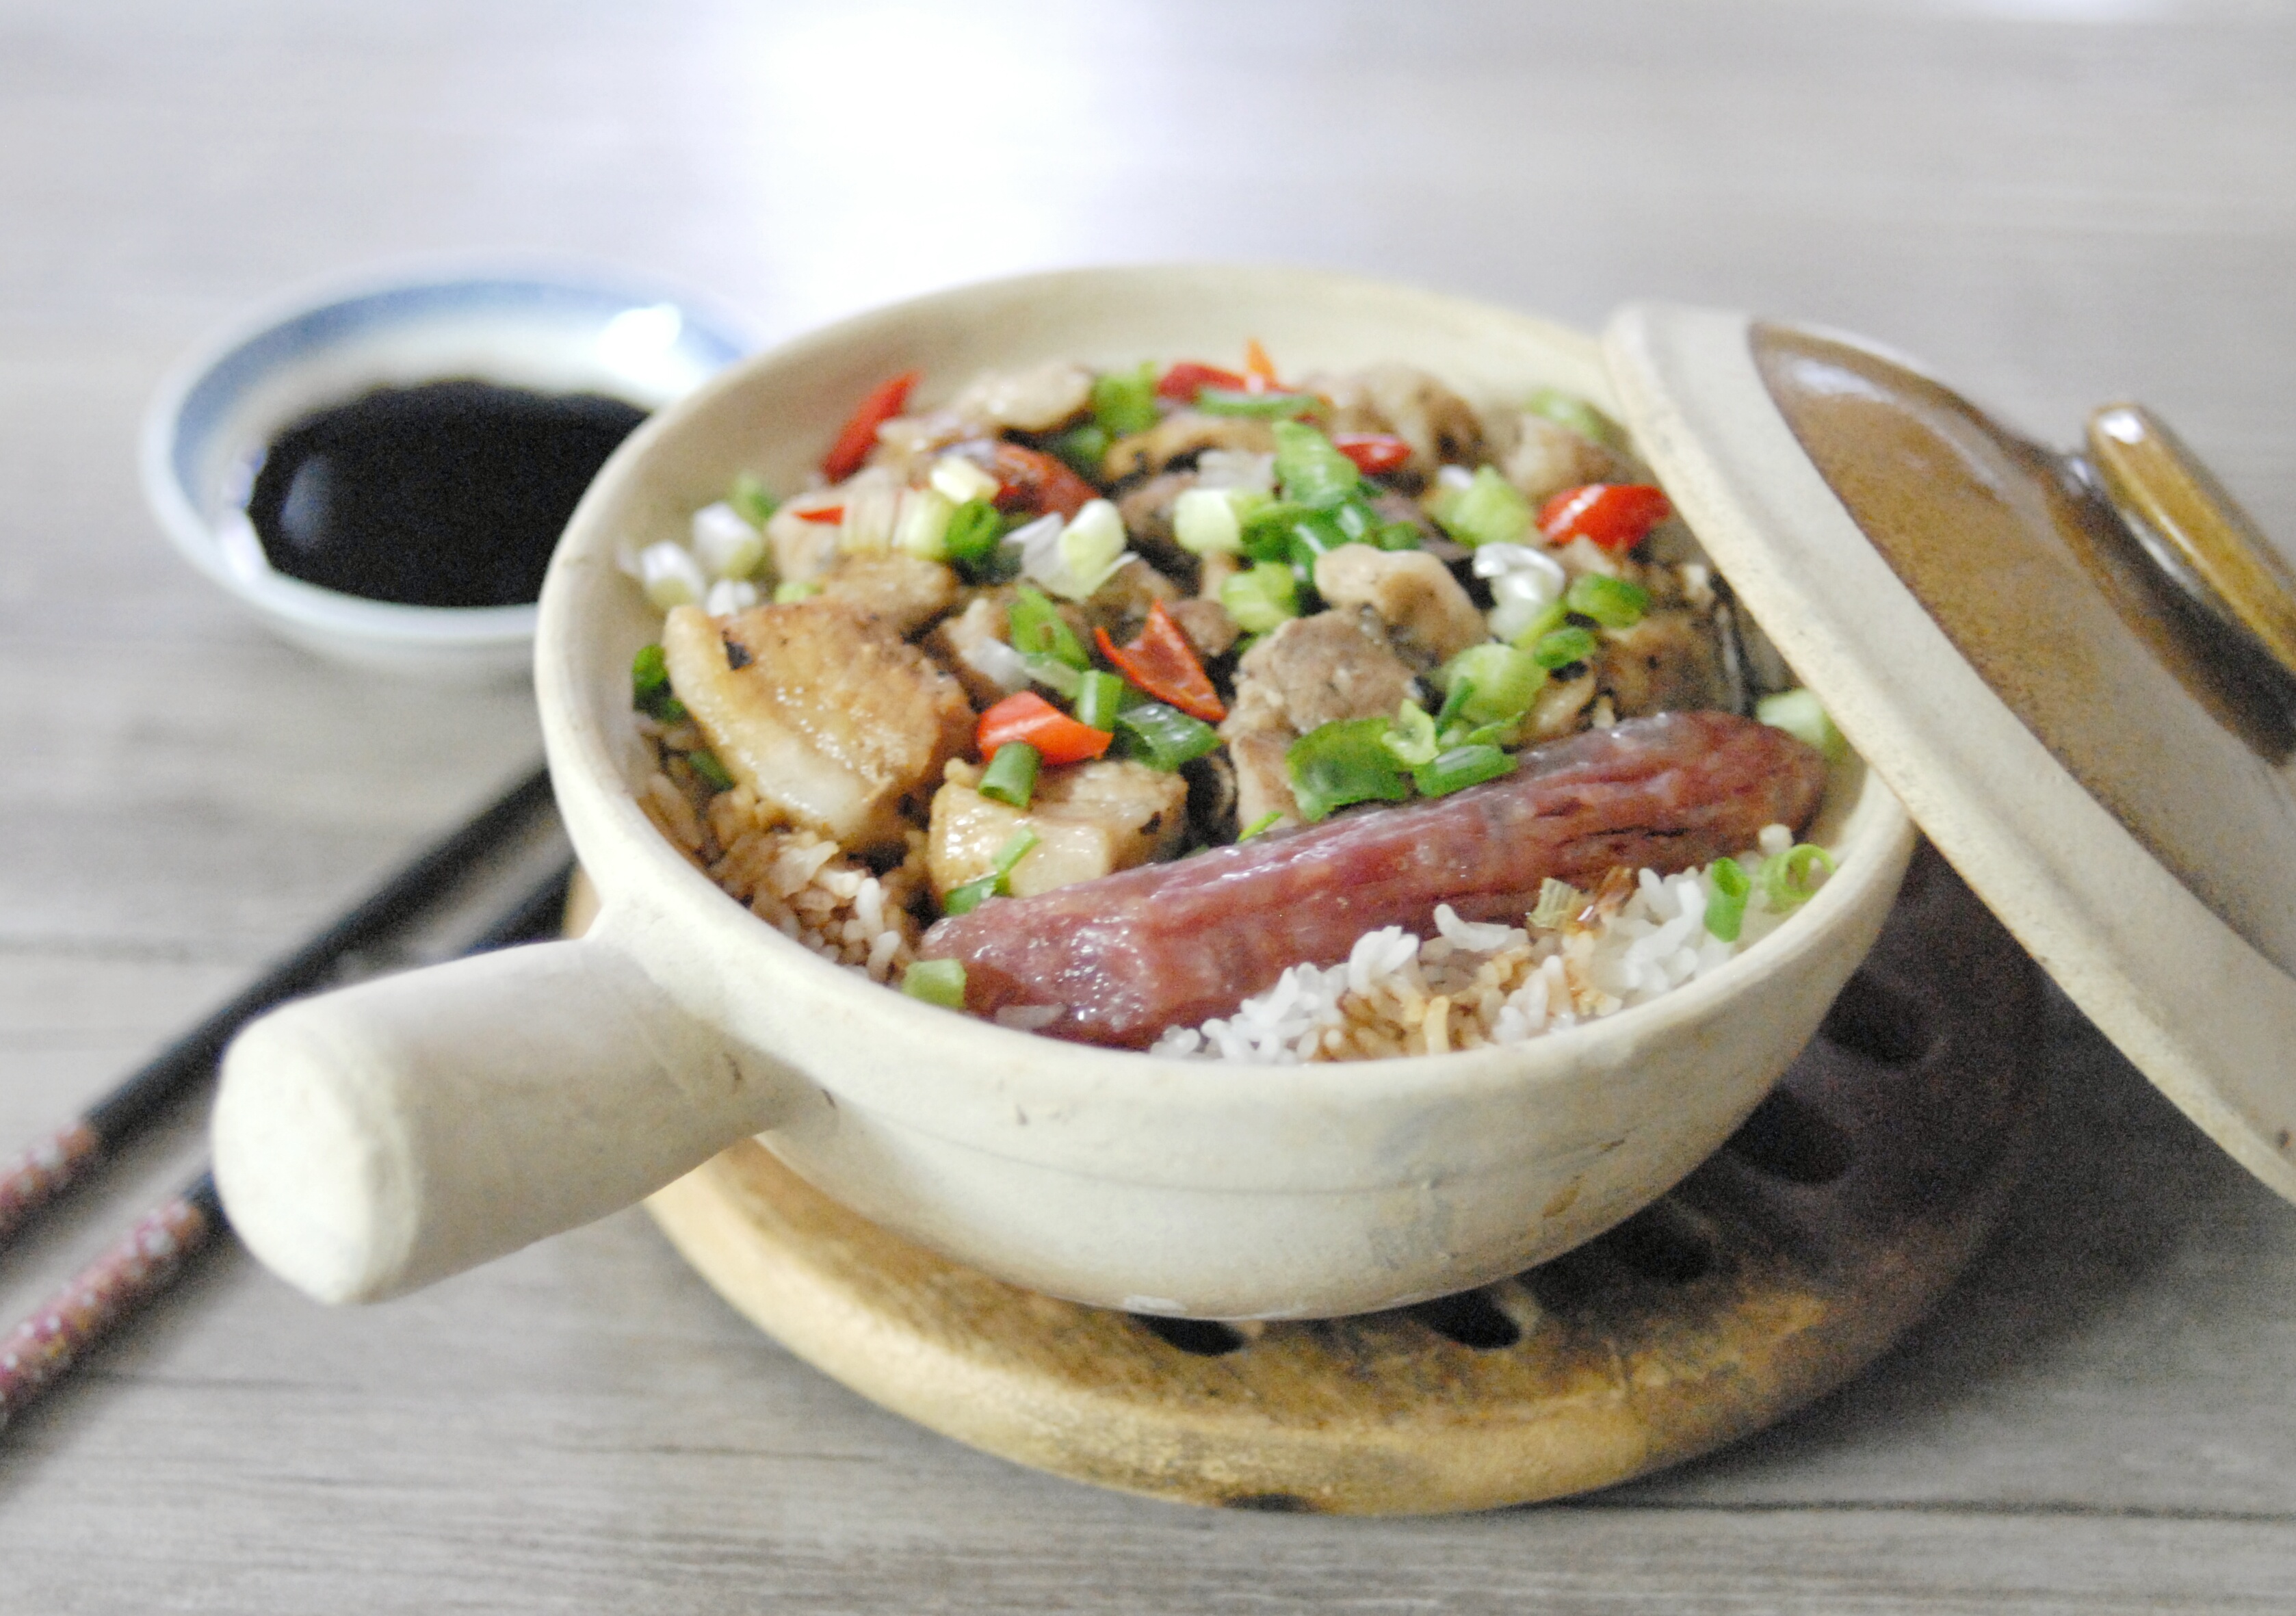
x=1428, y=613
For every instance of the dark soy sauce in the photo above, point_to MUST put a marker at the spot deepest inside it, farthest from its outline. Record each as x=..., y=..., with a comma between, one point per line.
x=447, y=494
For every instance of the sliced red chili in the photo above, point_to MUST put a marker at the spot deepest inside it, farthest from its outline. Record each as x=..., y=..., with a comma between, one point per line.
x=1373, y=453
x=1257, y=368
x=1029, y=716
x=1186, y=379
x=1162, y=663
x=821, y=513
x=858, y=435
x=1028, y=479
x=1615, y=516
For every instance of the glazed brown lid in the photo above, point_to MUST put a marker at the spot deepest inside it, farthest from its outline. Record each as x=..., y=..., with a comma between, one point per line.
x=2077, y=671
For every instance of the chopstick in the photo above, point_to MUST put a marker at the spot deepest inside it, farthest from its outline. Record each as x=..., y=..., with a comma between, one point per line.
x=159, y=1249
x=48, y=1168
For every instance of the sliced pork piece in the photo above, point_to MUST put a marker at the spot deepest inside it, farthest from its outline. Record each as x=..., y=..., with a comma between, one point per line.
x=1666, y=663
x=903, y=592
x=1263, y=778
x=1428, y=613
x=975, y=644
x=1315, y=670
x=1542, y=457
x=1184, y=436
x=1207, y=624
x=1032, y=400
x=1089, y=820
x=1118, y=960
x=822, y=711
x=1441, y=427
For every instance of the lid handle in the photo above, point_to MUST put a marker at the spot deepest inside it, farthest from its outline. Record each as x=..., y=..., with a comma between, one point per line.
x=2194, y=526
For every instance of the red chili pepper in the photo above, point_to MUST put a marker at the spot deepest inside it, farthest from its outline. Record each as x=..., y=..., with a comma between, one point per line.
x=858, y=435
x=1186, y=379
x=1029, y=716
x=821, y=513
x=1616, y=515
x=1162, y=663
x=1029, y=481
x=1258, y=367
x=1373, y=453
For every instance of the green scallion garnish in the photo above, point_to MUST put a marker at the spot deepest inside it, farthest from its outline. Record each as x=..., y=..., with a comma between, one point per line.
x=1563, y=646
x=1015, y=849
x=937, y=981
x=1262, y=598
x=1055, y=675
x=1581, y=417
x=1611, y=602
x=1728, y=885
x=1800, y=714
x=1342, y=762
x=750, y=501
x=650, y=690
x=1309, y=470
x=1501, y=684
x=1162, y=736
x=1099, y=698
x=1460, y=768
x=1125, y=401
x=1488, y=511
x=1264, y=821
x=1039, y=630
x=974, y=529
x=972, y=895
x=1412, y=736
x=1790, y=879
x=705, y=764
x=1266, y=406
x=1010, y=776
x=1082, y=447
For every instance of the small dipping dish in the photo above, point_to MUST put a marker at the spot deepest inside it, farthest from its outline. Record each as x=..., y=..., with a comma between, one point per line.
x=552, y=330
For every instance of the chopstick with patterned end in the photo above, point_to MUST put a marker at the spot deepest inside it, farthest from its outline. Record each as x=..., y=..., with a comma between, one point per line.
x=43, y=1349
x=45, y=1170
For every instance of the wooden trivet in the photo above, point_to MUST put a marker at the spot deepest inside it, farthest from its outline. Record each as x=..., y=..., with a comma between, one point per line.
x=1825, y=1227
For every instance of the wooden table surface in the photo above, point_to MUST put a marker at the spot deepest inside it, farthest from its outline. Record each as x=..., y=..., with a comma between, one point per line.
x=2054, y=201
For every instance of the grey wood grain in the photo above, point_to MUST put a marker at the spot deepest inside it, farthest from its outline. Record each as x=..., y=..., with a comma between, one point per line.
x=2053, y=202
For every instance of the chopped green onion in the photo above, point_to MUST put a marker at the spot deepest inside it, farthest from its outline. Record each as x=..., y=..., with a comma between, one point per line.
x=1084, y=447
x=1099, y=697
x=1550, y=618
x=1563, y=647
x=1800, y=714
x=1164, y=737
x=1015, y=849
x=1039, y=630
x=1611, y=602
x=1267, y=530
x=1460, y=767
x=1502, y=683
x=713, y=774
x=1412, y=736
x=973, y=894
x=750, y=499
x=1010, y=776
x=1342, y=762
x=937, y=981
x=1488, y=511
x=1125, y=401
x=1790, y=879
x=1558, y=901
x=1728, y=885
x=1309, y=470
x=970, y=539
x=795, y=590
x=1260, y=598
x=1210, y=521
x=1398, y=536
x=650, y=690
x=997, y=882
x=1311, y=534
x=922, y=528
x=1565, y=409
x=1264, y=821
x=1054, y=675
x=1454, y=698
x=1090, y=547
x=1266, y=406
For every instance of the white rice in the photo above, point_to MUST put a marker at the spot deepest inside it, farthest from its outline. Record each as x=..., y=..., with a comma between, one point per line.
x=1472, y=984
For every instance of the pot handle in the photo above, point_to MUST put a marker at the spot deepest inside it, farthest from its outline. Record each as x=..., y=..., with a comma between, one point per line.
x=372, y=1140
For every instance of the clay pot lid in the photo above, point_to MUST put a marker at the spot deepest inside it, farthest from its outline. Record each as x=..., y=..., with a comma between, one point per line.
x=2078, y=672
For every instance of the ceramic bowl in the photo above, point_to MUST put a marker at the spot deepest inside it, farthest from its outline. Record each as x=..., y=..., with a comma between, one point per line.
x=551, y=328
x=375, y=1139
